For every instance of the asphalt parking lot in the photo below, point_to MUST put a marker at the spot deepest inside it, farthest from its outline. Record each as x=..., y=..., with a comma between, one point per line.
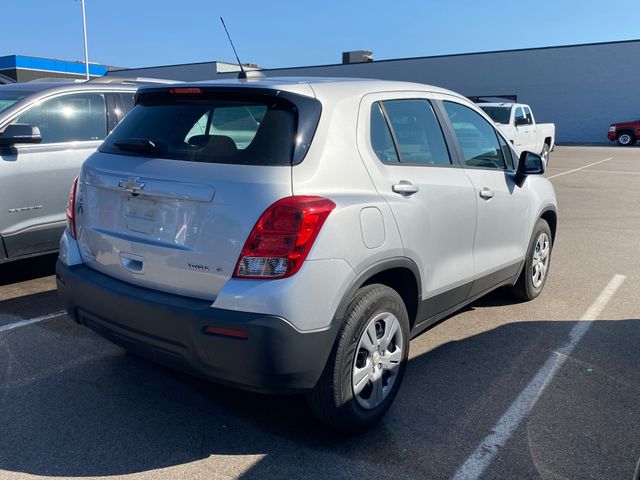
x=546, y=389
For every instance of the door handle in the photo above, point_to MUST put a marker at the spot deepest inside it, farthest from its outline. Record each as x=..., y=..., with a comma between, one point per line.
x=405, y=188
x=486, y=193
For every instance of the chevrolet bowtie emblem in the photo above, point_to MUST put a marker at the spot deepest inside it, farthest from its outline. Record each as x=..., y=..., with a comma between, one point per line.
x=132, y=184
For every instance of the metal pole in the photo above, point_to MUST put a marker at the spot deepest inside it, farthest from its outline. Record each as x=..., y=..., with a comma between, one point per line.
x=84, y=32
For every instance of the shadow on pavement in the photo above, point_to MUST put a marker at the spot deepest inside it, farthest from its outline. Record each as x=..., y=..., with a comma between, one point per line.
x=102, y=412
x=27, y=269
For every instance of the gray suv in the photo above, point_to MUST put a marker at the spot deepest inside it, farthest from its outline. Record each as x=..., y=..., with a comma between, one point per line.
x=47, y=129
x=292, y=235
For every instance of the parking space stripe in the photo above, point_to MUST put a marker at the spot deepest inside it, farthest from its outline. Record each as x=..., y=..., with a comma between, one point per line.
x=24, y=323
x=483, y=455
x=612, y=171
x=581, y=168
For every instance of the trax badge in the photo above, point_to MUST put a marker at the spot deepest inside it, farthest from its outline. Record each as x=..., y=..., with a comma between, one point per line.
x=132, y=184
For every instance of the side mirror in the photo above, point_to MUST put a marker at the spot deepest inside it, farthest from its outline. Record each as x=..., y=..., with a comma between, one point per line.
x=521, y=121
x=529, y=164
x=20, y=133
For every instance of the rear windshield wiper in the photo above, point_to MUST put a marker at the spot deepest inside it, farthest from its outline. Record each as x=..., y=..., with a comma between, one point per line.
x=137, y=145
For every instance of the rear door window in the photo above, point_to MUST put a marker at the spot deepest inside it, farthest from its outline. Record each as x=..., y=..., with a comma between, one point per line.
x=208, y=128
x=416, y=131
x=381, y=139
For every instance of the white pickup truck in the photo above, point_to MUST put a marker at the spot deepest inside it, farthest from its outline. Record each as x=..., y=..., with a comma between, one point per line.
x=517, y=123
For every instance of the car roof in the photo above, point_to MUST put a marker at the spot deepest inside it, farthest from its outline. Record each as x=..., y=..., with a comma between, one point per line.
x=30, y=87
x=310, y=86
x=36, y=87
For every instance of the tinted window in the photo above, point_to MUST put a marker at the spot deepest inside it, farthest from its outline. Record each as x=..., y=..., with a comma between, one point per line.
x=417, y=132
x=519, y=114
x=381, y=139
x=476, y=136
x=498, y=114
x=9, y=98
x=254, y=131
x=239, y=123
x=527, y=112
x=506, y=152
x=126, y=104
x=68, y=118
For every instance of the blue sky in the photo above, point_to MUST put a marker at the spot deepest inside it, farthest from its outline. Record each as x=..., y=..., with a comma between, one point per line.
x=277, y=33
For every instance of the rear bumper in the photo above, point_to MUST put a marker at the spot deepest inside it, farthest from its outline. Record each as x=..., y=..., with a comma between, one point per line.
x=169, y=329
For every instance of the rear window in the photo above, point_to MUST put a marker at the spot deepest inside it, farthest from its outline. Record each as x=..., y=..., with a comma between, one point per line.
x=498, y=114
x=208, y=127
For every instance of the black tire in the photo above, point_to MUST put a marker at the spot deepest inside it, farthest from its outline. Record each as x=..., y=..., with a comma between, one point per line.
x=626, y=139
x=333, y=400
x=545, y=154
x=525, y=287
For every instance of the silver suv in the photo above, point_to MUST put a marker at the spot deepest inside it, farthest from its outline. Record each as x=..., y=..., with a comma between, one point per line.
x=292, y=235
x=47, y=129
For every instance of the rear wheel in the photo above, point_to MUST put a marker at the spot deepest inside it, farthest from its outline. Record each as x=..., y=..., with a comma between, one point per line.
x=365, y=368
x=536, y=267
x=626, y=139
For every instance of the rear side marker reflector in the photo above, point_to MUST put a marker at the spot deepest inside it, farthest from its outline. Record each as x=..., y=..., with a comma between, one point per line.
x=226, y=332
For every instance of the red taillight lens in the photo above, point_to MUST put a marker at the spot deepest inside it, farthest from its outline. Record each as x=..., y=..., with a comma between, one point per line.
x=282, y=237
x=71, y=209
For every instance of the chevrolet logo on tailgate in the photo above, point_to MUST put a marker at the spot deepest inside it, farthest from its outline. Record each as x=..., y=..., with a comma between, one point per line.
x=132, y=185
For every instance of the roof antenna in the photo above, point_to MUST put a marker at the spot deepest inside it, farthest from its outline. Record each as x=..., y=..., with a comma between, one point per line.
x=242, y=75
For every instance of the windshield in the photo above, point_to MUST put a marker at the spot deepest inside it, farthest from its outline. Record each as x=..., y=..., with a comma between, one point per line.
x=9, y=98
x=498, y=114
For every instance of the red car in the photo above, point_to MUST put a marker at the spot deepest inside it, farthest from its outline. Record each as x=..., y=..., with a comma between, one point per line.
x=625, y=133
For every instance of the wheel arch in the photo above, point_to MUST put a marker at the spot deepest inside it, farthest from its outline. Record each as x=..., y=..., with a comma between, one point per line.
x=628, y=130
x=550, y=215
x=400, y=273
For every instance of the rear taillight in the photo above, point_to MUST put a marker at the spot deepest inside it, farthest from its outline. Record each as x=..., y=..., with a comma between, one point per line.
x=282, y=237
x=71, y=209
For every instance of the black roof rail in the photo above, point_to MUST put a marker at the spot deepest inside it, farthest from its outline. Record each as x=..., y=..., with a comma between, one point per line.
x=489, y=98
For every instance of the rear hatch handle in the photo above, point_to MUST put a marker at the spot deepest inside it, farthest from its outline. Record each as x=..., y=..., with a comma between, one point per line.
x=132, y=263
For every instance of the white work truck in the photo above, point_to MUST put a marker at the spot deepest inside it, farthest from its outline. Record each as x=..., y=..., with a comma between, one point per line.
x=516, y=122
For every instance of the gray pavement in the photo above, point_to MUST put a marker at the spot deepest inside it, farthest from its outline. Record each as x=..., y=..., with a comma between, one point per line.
x=72, y=405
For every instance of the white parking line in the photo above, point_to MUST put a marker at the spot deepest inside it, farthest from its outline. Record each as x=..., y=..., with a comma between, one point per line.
x=581, y=168
x=481, y=458
x=612, y=171
x=24, y=323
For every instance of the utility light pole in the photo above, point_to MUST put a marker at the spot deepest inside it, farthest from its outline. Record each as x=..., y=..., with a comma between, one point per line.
x=84, y=32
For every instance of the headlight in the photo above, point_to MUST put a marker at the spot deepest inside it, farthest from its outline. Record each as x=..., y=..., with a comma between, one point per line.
x=612, y=128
